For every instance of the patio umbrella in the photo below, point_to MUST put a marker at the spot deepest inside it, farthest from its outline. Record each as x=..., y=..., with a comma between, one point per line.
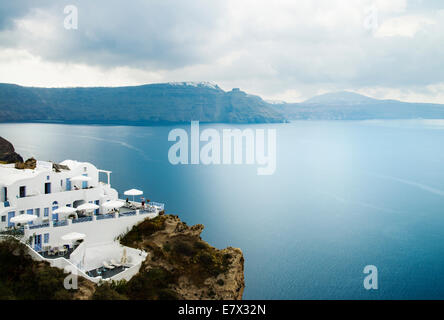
x=24, y=218
x=73, y=236
x=64, y=210
x=124, y=258
x=113, y=204
x=133, y=192
x=88, y=207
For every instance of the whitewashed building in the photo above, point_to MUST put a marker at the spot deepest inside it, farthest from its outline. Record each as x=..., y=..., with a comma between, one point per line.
x=39, y=192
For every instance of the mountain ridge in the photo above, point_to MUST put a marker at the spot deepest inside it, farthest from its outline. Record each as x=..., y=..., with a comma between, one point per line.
x=150, y=103
x=181, y=102
x=348, y=105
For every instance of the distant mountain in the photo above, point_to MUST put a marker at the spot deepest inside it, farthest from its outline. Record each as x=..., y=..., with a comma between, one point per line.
x=343, y=97
x=178, y=102
x=352, y=106
x=154, y=103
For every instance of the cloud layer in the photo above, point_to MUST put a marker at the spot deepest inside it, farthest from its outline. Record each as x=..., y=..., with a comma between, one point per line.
x=283, y=49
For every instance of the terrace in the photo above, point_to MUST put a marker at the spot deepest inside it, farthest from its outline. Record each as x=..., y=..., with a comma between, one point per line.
x=106, y=273
x=129, y=209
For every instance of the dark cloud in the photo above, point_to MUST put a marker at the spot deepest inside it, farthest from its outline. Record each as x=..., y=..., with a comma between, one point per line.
x=264, y=46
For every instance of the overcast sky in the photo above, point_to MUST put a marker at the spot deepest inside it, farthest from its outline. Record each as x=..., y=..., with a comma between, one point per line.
x=280, y=50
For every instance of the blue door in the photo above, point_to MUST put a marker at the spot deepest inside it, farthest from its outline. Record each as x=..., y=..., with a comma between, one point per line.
x=10, y=215
x=38, y=242
x=68, y=184
x=85, y=183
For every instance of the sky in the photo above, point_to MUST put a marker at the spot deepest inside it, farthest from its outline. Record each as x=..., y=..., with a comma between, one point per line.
x=281, y=50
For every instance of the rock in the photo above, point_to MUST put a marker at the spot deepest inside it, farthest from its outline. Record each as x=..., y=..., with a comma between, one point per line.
x=58, y=167
x=201, y=271
x=7, y=152
x=31, y=163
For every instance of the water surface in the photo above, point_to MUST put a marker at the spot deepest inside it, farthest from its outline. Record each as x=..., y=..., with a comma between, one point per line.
x=345, y=194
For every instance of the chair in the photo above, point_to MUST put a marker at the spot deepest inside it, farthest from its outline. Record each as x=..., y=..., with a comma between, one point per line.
x=106, y=265
x=114, y=263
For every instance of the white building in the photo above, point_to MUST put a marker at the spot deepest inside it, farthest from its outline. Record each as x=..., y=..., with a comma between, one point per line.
x=39, y=192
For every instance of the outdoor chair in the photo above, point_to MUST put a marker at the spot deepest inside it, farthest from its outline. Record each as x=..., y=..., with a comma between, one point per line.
x=114, y=263
x=106, y=265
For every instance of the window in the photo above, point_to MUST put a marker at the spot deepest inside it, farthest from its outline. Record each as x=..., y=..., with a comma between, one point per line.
x=37, y=212
x=61, y=183
x=47, y=187
x=30, y=211
x=46, y=238
x=46, y=212
x=3, y=218
x=22, y=191
x=47, y=177
x=22, y=211
x=84, y=169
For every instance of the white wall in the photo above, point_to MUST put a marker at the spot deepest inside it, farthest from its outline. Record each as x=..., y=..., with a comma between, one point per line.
x=96, y=231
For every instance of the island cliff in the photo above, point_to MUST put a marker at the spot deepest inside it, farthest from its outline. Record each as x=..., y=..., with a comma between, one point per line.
x=195, y=270
x=7, y=152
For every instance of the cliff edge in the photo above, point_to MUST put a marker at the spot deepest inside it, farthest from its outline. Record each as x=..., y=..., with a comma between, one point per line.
x=7, y=152
x=190, y=267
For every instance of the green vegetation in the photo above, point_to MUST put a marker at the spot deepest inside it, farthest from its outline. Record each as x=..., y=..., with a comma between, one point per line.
x=144, y=229
x=150, y=285
x=23, y=278
x=193, y=258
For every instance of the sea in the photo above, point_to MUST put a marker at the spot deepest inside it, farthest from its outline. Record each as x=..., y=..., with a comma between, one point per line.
x=344, y=195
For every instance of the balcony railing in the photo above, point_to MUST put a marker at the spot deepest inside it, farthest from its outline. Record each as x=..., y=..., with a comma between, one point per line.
x=148, y=210
x=128, y=213
x=105, y=216
x=159, y=205
x=83, y=219
x=43, y=225
x=60, y=223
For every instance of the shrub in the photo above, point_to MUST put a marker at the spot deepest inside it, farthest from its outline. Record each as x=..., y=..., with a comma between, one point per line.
x=106, y=292
x=183, y=248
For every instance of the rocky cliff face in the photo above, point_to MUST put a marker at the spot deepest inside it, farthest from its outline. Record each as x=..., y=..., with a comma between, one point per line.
x=154, y=103
x=7, y=152
x=196, y=270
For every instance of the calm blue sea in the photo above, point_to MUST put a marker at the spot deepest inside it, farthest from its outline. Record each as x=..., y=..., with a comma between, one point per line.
x=344, y=195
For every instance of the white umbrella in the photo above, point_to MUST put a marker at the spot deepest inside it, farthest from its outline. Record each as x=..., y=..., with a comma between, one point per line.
x=64, y=210
x=133, y=192
x=24, y=218
x=124, y=257
x=112, y=204
x=88, y=207
x=73, y=236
